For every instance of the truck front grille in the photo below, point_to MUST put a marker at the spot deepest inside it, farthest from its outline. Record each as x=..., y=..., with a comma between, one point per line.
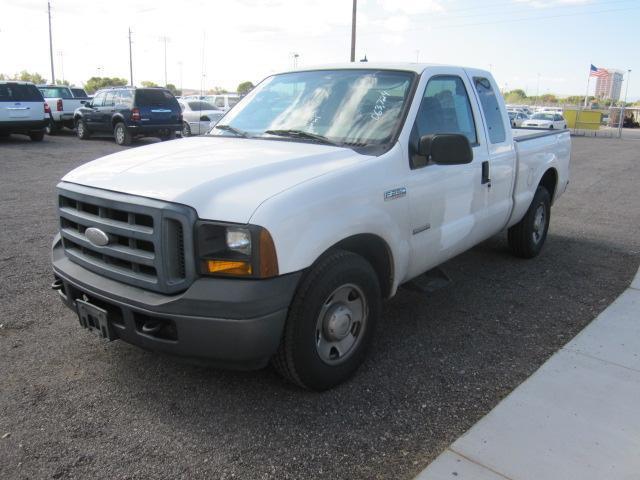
x=148, y=240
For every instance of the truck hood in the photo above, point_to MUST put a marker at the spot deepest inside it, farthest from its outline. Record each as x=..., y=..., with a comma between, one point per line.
x=222, y=178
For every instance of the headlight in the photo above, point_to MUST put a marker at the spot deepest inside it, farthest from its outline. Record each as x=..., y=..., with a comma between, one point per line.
x=233, y=250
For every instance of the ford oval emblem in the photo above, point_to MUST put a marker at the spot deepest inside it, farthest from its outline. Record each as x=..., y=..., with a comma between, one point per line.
x=97, y=237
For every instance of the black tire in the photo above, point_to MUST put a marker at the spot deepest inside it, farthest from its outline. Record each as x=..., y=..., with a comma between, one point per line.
x=168, y=136
x=186, y=129
x=52, y=128
x=36, y=136
x=298, y=359
x=82, y=131
x=526, y=237
x=121, y=134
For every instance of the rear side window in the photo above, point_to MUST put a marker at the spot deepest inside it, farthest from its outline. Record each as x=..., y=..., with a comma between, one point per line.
x=220, y=102
x=124, y=97
x=491, y=109
x=56, y=92
x=155, y=98
x=445, y=108
x=13, y=92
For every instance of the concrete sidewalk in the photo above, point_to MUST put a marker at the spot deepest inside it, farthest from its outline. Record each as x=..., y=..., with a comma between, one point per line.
x=576, y=417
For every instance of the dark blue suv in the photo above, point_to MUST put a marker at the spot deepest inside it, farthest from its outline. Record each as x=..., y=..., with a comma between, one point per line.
x=129, y=112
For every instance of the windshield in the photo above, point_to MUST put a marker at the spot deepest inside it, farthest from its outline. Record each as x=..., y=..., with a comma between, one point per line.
x=361, y=107
x=56, y=92
x=201, y=106
x=543, y=116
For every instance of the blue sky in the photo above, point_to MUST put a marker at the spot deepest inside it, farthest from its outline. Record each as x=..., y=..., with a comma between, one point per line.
x=520, y=40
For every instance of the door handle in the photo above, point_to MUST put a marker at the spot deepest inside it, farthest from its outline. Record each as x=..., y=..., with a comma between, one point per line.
x=485, y=173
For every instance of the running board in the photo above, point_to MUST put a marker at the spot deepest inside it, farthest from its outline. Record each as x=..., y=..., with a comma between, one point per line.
x=429, y=282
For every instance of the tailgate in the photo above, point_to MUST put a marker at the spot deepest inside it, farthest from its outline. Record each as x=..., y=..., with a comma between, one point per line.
x=157, y=107
x=20, y=102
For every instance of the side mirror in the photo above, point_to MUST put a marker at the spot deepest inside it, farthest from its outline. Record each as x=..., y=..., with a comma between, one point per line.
x=446, y=148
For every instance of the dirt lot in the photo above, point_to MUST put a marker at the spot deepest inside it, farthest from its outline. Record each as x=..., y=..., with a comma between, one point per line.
x=72, y=406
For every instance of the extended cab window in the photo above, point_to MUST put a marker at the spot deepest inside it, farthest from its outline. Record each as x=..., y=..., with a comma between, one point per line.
x=491, y=109
x=445, y=108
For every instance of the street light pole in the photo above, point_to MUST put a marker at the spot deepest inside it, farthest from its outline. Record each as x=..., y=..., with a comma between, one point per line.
x=61, y=64
x=353, y=30
x=131, y=61
x=624, y=104
x=53, y=75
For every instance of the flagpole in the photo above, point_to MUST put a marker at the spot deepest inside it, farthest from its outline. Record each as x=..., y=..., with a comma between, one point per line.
x=586, y=96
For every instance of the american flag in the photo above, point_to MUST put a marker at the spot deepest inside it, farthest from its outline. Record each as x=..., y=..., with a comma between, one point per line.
x=598, y=72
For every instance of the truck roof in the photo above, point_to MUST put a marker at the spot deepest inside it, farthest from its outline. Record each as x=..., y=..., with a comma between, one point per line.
x=405, y=66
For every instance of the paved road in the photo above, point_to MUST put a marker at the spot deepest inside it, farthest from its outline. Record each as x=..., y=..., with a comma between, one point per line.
x=79, y=408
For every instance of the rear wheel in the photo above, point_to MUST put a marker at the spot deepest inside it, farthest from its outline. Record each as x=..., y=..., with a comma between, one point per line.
x=121, y=134
x=81, y=130
x=527, y=237
x=36, y=136
x=330, y=323
x=52, y=128
x=186, y=129
x=168, y=136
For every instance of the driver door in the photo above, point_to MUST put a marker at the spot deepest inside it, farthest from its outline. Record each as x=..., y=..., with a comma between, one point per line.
x=445, y=201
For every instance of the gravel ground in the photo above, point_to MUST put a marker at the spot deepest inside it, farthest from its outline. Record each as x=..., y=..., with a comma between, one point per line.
x=72, y=406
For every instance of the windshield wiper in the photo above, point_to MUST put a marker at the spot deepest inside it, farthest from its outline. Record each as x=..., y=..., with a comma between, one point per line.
x=237, y=131
x=292, y=133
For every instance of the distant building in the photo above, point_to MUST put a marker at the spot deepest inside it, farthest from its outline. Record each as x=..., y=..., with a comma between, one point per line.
x=609, y=86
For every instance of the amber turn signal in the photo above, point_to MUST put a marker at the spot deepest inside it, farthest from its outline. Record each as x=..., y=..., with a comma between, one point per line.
x=229, y=267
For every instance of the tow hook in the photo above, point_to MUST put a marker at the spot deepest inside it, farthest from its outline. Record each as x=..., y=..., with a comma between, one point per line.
x=57, y=284
x=151, y=327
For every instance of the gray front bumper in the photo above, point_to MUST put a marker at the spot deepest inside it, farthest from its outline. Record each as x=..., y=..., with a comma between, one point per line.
x=233, y=322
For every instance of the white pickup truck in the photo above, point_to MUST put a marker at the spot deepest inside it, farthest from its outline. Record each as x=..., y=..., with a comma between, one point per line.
x=62, y=104
x=277, y=236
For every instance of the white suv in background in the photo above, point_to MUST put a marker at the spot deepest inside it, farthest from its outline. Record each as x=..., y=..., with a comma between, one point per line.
x=22, y=110
x=223, y=101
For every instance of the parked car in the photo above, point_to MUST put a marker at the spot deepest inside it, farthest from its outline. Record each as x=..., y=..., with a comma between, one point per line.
x=277, y=236
x=517, y=118
x=62, y=104
x=546, y=120
x=22, y=110
x=128, y=113
x=198, y=116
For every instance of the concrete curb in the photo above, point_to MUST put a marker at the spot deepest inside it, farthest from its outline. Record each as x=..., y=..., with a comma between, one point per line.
x=577, y=416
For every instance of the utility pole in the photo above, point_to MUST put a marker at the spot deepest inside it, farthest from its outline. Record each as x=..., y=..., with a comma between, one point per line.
x=624, y=104
x=295, y=60
x=353, y=31
x=53, y=75
x=165, y=39
x=61, y=64
x=131, y=61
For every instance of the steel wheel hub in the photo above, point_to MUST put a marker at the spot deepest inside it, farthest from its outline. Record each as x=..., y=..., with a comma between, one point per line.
x=539, y=222
x=341, y=323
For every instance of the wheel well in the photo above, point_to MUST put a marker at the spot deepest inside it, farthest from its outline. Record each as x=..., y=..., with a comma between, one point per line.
x=549, y=181
x=115, y=120
x=376, y=251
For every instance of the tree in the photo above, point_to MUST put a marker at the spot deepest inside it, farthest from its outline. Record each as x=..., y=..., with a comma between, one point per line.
x=515, y=96
x=217, y=91
x=96, y=83
x=172, y=88
x=549, y=98
x=245, y=87
x=147, y=83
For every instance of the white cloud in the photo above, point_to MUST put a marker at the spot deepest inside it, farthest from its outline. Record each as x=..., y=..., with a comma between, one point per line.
x=553, y=3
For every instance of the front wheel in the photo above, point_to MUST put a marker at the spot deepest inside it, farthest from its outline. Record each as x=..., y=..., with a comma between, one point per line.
x=527, y=237
x=186, y=129
x=81, y=130
x=36, y=136
x=331, y=322
x=121, y=134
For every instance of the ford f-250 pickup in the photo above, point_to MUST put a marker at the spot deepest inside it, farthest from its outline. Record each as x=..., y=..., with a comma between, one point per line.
x=277, y=236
